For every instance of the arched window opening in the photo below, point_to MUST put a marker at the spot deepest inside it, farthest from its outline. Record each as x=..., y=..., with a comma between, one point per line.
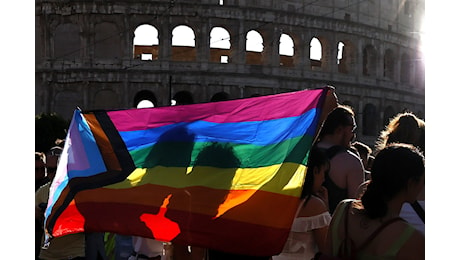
x=62, y=104
x=254, y=48
x=286, y=45
x=370, y=120
x=183, y=44
x=183, y=97
x=254, y=41
x=145, y=98
x=220, y=96
x=316, y=52
x=342, y=62
x=388, y=113
x=106, y=45
x=106, y=99
x=146, y=42
x=369, y=61
x=388, y=64
x=220, y=45
x=67, y=42
x=346, y=59
x=183, y=35
x=145, y=104
x=340, y=56
x=405, y=68
x=286, y=50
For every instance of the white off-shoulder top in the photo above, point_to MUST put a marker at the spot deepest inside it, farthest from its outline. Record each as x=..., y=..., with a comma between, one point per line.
x=301, y=243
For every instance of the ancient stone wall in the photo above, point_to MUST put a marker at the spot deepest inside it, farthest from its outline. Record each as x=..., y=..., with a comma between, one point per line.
x=86, y=56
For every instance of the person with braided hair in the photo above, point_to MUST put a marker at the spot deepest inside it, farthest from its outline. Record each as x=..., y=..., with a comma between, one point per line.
x=370, y=227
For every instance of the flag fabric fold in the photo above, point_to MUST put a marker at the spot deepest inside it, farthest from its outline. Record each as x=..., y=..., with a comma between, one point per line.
x=223, y=175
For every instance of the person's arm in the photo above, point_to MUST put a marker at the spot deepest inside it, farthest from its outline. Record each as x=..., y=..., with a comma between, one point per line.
x=320, y=234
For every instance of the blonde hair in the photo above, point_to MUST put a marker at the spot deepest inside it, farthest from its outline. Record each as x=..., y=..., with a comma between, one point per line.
x=403, y=128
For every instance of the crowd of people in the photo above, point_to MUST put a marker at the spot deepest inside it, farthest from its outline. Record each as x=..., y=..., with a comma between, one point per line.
x=357, y=201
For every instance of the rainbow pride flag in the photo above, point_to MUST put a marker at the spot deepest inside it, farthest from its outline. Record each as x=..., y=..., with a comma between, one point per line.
x=223, y=175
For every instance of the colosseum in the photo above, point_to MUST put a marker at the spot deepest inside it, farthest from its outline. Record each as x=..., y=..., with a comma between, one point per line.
x=89, y=53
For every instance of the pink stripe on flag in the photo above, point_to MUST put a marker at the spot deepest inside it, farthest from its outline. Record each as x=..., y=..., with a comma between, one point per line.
x=240, y=110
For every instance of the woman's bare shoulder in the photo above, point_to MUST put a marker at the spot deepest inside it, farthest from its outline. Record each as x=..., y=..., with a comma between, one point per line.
x=414, y=247
x=314, y=206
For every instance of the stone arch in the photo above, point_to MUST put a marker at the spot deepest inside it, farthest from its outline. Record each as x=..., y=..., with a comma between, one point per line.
x=183, y=43
x=340, y=57
x=146, y=42
x=370, y=117
x=254, y=47
x=389, y=64
x=106, y=99
x=286, y=50
x=319, y=53
x=145, y=95
x=369, y=60
x=106, y=41
x=220, y=96
x=298, y=47
x=67, y=43
x=406, y=64
x=388, y=113
x=348, y=58
x=62, y=104
x=183, y=97
x=316, y=53
x=220, y=45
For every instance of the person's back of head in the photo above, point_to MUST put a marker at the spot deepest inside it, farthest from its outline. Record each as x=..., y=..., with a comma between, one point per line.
x=403, y=128
x=317, y=158
x=362, y=148
x=364, y=151
x=183, y=97
x=51, y=166
x=392, y=170
x=341, y=116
